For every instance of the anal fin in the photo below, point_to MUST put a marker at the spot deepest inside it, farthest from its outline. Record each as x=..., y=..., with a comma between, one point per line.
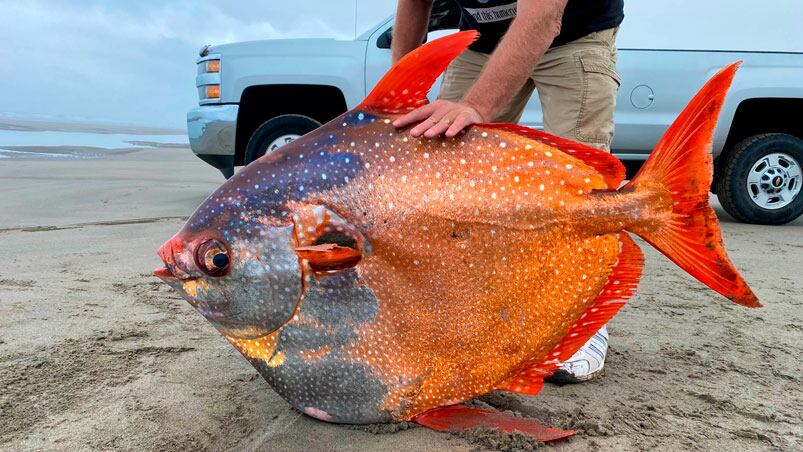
x=461, y=417
x=621, y=285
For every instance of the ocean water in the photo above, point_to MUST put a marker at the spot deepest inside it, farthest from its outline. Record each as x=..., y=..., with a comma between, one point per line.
x=102, y=141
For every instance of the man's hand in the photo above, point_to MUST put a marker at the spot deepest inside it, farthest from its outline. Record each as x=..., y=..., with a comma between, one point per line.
x=439, y=117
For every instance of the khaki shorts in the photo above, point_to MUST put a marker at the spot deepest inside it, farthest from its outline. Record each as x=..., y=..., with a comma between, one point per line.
x=576, y=82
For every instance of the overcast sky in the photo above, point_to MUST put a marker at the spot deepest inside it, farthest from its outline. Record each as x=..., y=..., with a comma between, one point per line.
x=134, y=61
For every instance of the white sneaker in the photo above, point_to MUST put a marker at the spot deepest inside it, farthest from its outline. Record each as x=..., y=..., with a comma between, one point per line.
x=587, y=363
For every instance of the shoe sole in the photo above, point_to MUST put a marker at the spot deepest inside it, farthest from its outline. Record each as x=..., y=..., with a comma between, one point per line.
x=563, y=377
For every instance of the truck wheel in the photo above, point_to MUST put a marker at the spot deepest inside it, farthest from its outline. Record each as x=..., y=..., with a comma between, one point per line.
x=760, y=179
x=276, y=132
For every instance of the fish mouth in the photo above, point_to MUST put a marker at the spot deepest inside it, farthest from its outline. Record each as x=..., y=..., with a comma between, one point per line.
x=171, y=269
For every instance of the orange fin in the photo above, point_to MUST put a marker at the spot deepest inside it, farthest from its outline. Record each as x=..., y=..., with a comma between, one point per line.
x=329, y=256
x=529, y=382
x=682, y=165
x=620, y=287
x=461, y=417
x=612, y=170
x=405, y=86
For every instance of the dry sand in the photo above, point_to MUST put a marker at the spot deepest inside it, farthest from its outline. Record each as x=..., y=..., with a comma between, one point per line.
x=97, y=354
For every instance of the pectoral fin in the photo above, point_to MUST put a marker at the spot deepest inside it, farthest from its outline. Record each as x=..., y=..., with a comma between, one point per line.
x=329, y=256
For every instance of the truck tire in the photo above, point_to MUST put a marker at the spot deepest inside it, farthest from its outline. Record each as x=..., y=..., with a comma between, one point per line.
x=760, y=179
x=276, y=132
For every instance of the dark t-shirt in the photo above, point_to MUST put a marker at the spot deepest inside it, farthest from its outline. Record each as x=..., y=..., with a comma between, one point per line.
x=581, y=17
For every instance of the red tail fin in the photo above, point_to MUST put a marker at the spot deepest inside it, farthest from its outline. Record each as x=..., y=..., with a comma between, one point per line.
x=682, y=164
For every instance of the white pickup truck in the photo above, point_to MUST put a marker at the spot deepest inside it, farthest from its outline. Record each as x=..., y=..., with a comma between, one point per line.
x=256, y=96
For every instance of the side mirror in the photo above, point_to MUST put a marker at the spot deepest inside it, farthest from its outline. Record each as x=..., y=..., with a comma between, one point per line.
x=445, y=15
x=384, y=40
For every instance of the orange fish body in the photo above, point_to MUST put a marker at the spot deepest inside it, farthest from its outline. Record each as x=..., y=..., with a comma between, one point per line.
x=434, y=271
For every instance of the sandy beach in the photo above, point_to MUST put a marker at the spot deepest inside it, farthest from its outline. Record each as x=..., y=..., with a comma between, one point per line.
x=97, y=354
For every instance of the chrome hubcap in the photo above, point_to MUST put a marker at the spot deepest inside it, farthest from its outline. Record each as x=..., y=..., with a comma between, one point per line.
x=774, y=181
x=281, y=141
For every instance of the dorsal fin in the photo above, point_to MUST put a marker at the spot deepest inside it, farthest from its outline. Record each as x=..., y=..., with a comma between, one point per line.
x=620, y=287
x=405, y=86
x=609, y=166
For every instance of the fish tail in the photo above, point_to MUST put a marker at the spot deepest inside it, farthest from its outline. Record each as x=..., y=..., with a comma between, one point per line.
x=681, y=169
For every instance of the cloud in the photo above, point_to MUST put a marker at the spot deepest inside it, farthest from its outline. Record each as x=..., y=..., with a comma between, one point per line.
x=135, y=61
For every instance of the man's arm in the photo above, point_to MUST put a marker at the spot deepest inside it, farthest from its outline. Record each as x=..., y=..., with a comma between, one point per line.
x=530, y=34
x=410, y=26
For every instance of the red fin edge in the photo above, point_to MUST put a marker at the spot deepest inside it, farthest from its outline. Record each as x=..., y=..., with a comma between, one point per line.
x=461, y=417
x=529, y=382
x=612, y=170
x=620, y=287
x=404, y=88
x=682, y=165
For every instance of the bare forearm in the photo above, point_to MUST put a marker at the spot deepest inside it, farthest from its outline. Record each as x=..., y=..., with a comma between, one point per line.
x=527, y=39
x=410, y=26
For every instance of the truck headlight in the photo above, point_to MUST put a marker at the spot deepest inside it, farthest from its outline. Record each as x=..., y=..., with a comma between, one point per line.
x=209, y=66
x=208, y=79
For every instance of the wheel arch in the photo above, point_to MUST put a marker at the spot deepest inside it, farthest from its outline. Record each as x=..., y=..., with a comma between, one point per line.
x=757, y=116
x=260, y=103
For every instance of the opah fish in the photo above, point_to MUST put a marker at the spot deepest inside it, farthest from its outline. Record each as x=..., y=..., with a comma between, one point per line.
x=373, y=277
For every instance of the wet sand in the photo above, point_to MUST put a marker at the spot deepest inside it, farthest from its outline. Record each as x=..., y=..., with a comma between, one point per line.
x=95, y=353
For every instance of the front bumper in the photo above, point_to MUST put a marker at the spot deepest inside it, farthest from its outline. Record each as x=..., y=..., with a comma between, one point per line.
x=212, y=129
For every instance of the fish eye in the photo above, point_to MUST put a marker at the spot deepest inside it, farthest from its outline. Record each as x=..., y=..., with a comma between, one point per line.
x=213, y=258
